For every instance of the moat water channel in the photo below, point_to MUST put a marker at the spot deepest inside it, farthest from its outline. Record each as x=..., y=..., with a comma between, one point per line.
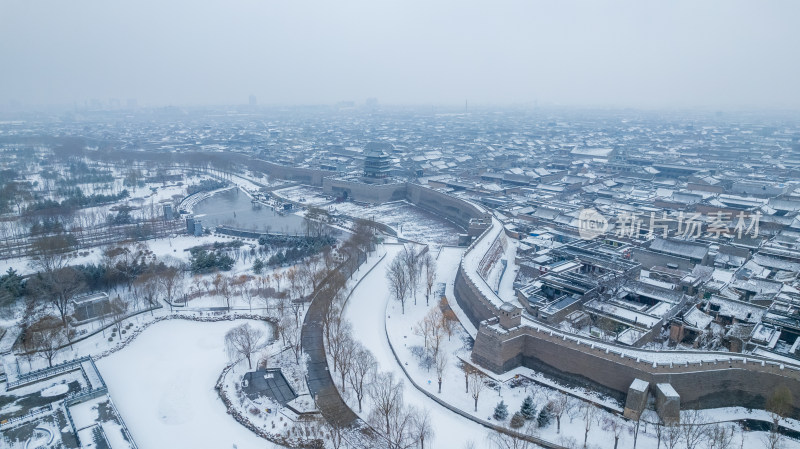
x=234, y=208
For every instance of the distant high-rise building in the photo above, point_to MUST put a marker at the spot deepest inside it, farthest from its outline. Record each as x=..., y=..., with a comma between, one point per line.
x=252, y=100
x=168, y=214
x=132, y=104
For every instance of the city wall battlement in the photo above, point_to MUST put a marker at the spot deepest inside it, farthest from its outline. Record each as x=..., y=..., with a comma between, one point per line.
x=703, y=380
x=447, y=206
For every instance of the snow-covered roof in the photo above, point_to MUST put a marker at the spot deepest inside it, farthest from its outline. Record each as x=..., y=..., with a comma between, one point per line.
x=667, y=390
x=698, y=319
x=679, y=248
x=639, y=385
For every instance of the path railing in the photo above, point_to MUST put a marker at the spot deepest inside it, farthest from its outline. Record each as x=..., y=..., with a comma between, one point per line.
x=45, y=373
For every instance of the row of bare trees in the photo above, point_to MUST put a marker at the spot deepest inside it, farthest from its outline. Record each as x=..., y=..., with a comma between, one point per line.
x=407, y=270
x=286, y=307
x=439, y=322
x=357, y=371
x=692, y=433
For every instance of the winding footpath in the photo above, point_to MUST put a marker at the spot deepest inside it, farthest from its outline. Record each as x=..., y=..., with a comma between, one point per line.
x=320, y=382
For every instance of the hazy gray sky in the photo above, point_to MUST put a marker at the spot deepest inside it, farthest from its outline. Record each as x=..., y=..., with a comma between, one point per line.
x=641, y=53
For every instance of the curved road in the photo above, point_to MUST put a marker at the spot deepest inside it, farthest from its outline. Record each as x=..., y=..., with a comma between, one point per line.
x=320, y=383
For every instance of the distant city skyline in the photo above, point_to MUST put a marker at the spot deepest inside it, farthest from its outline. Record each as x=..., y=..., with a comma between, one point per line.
x=716, y=54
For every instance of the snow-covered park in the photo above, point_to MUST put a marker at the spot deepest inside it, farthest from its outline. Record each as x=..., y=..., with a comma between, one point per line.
x=163, y=385
x=366, y=310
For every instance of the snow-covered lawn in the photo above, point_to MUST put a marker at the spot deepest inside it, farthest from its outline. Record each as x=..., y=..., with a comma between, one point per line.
x=409, y=221
x=162, y=247
x=365, y=310
x=163, y=385
x=309, y=196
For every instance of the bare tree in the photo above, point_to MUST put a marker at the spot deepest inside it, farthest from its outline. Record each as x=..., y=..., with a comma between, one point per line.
x=245, y=289
x=401, y=428
x=147, y=286
x=347, y=353
x=386, y=394
x=282, y=305
x=437, y=330
x=335, y=434
x=412, y=259
x=118, y=308
x=291, y=333
x=223, y=287
x=422, y=426
x=244, y=341
x=440, y=364
x=773, y=440
x=449, y=319
x=671, y=435
x=57, y=288
x=293, y=277
x=331, y=319
x=171, y=281
x=502, y=440
x=589, y=412
x=277, y=277
x=613, y=284
x=720, y=436
x=47, y=338
x=313, y=271
x=399, y=282
x=328, y=261
x=561, y=404
x=315, y=222
x=125, y=261
x=467, y=370
x=363, y=234
x=429, y=265
x=476, y=386
x=338, y=341
x=615, y=426
x=424, y=328
x=362, y=372
x=52, y=253
x=658, y=428
x=693, y=428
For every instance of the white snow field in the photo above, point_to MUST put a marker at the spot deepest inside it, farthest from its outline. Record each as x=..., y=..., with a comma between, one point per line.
x=365, y=309
x=163, y=386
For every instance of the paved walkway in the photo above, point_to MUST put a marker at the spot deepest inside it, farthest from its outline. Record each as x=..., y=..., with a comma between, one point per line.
x=320, y=383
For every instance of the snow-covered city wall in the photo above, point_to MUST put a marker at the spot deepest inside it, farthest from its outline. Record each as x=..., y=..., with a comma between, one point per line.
x=703, y=379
